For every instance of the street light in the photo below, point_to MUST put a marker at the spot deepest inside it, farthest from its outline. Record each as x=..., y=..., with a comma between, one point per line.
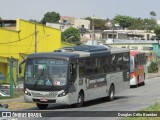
x=93, y=30
x=113, y=27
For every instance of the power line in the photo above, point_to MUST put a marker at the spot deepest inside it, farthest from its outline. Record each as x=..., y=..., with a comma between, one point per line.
x=18, y=40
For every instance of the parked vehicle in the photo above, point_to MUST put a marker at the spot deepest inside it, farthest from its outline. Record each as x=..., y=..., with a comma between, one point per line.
x=3, y=107
x=3, y=94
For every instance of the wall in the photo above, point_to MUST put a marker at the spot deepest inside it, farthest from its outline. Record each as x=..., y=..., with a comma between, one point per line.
x=14, y=43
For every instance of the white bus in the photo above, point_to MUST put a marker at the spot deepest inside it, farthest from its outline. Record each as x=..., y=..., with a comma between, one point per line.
x=75, y=75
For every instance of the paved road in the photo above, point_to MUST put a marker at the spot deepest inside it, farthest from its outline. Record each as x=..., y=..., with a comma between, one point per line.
x=128, y=100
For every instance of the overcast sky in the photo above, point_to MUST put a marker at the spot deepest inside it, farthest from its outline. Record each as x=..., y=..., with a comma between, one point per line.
x=35, y=9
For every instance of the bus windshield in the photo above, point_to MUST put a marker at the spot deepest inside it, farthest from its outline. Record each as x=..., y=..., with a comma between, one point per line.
x=131, y=64
x=46, y=72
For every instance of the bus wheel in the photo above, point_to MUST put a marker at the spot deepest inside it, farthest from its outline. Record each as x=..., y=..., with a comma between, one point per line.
x=80, y=100
x=143, y=83
x=42, y=106
x=111, y=93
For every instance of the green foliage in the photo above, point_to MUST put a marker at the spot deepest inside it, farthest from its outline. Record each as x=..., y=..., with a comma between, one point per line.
x=0, y=18
x=150, y=24
x=143, y=24
x=51, y=17
x=154, y=107
x=123, y=21
x=153, y=67
x=153, y=13
x=135, y=23
x=99, y=24
x=71, y=35
x=157, y=31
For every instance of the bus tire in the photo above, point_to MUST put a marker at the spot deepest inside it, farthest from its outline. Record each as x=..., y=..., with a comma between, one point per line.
x=111, y=93
x=80, y=100
x=42, y=106
x=143, y=83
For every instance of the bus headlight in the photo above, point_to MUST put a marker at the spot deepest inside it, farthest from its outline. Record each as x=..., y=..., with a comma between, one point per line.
x=27, y=93
x=62, y=94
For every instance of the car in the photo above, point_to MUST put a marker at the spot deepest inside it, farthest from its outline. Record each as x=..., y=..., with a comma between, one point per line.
x=3, y=94
x=3, y=107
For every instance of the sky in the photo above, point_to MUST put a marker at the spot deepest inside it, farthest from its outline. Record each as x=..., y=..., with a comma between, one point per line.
x=35, y=9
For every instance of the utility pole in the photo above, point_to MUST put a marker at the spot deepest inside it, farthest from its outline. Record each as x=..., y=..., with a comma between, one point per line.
x=113, y=30
x=93, y=30
x=35, y=35
x=11, y=76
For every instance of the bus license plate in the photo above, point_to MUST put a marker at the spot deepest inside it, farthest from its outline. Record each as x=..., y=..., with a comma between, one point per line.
x=43, y=99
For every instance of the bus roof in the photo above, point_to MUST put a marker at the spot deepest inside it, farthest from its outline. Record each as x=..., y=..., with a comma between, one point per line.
x=79, y=51
x=63, y=55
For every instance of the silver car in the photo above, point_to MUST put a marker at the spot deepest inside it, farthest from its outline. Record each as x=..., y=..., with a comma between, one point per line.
x=3, y=94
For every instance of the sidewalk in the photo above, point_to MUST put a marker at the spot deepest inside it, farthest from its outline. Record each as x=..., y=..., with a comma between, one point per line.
x=153, y=75
x=17, y=103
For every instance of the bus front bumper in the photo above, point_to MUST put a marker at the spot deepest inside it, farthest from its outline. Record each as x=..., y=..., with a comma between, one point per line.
x=44, y=100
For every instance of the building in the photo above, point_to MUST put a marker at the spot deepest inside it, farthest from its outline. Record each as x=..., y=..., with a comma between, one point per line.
x=60, y=26
x=18, y=38
x=150, y=47
x=65, y=22
x=128, y=34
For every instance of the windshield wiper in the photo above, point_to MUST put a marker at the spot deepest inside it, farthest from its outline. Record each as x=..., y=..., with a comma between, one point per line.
x=35, y=84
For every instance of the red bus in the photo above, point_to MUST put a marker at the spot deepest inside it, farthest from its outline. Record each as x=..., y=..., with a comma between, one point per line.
x=138, y=69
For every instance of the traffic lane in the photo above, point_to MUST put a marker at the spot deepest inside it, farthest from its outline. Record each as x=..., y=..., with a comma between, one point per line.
x=131, y=99
x=134, y=98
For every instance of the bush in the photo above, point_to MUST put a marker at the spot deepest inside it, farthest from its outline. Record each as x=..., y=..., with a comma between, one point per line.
x=153, y=67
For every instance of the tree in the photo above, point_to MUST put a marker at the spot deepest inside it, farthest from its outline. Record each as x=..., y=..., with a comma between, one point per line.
x=0, y=18
x=51, y=17
x=99, y=24
x=152, y=14
x=157, y=32
x=71, y=35
x=143, y=24
x=123, y=21
x=153, y=67
x=149, y=24
x=137, y=24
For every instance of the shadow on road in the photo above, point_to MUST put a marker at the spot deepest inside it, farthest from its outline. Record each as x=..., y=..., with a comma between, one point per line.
x=86, y=104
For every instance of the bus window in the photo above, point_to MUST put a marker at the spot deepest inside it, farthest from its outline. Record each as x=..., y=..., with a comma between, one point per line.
x=126, y=61
x=131, y=64
x=89, y=69
x=73, y=72
x=119, y=60
x=103, y=64
x=82, y=69
x=96, y=67
x=113, y=63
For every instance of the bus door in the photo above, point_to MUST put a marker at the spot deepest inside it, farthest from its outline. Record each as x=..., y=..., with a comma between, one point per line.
x=72, y=76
